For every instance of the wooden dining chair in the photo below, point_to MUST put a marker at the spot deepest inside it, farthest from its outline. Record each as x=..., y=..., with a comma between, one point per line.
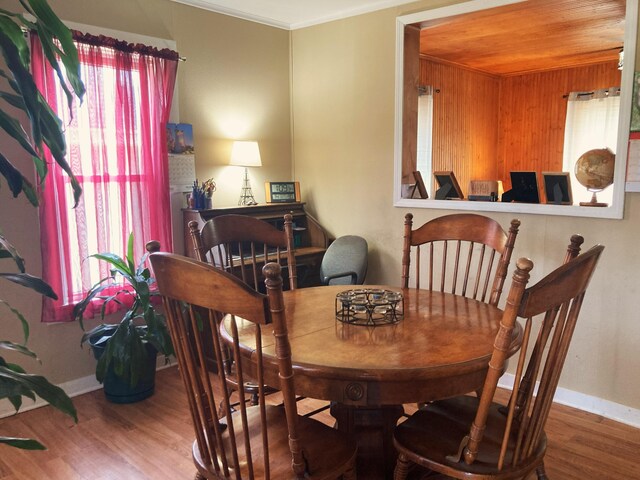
x=475, y=438
x=242, y=245
x=465, y=254
x=243, y=441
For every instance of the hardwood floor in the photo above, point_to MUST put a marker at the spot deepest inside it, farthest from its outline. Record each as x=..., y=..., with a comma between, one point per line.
x=152, y=440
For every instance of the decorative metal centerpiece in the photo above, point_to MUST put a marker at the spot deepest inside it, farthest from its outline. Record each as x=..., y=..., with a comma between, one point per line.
x=369, y=307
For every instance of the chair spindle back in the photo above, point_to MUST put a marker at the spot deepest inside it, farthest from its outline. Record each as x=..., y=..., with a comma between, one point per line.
x=466, y=254
x=242, y=245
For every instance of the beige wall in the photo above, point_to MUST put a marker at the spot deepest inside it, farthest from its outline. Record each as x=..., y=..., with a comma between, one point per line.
x=343, y=114
x=234, y=85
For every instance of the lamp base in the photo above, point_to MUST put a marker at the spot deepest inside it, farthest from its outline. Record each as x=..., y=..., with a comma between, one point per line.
x=246, y=194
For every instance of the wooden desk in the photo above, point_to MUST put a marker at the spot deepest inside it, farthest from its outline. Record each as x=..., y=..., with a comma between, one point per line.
x=310, y=238
x=440, y=348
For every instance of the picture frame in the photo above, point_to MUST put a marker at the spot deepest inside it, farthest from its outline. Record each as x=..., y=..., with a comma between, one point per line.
x=419, y=185
x=282, y=192
x=557, y=188
x=448, y=187
x=483, y=190
x=180, y=139
x=524, y=187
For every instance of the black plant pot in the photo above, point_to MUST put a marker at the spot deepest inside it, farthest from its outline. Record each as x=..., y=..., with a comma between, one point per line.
x=118, y=390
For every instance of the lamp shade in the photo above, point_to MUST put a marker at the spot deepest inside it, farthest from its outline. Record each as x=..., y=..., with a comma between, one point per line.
x=245, y=154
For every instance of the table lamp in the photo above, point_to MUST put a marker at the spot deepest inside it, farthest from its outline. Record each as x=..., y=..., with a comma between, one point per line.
x=246, y=154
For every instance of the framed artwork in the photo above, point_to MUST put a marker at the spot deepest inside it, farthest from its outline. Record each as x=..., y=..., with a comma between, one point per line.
x=524, y=187
x=180, y=138
x=282, y=192
x=448, y=187
x=419, y=186
x=557, y=188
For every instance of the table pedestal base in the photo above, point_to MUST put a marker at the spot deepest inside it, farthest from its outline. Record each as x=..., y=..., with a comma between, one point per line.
x=372, y=428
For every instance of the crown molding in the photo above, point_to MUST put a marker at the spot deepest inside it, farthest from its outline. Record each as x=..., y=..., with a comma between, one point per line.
x=274, y=22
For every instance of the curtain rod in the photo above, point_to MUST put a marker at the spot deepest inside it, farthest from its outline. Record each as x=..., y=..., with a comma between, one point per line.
x=25, y=31
x=584, y=94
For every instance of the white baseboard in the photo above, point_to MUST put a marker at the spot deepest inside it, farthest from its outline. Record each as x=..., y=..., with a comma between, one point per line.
x=72, y=388
x=588, y=403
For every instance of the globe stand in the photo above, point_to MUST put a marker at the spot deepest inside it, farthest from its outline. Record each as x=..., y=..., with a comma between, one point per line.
x=594, y=201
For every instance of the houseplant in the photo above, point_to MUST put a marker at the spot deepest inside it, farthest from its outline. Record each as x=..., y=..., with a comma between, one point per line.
x=44, y=128
x=126, y=351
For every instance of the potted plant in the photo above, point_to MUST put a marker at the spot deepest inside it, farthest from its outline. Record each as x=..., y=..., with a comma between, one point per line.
x=126, y=351
x=43, y=127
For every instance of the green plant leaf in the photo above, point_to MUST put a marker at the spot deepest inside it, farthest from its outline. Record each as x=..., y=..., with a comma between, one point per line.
x=105, y=331
x=50, y=23
x=5, y=245
x=40, y=114
x=26, y=87
x=142, y=269
x=23, y=443
x=80, y=307
x=7, y=345
x=23, y=321
x=13, y=31
x=29, y=281
x=15, y=130
x=17, y=182
x=50, y=127
x=12, y=389
x=117, y=263
x=132, y=267
x=44, y=389
x=11, y=98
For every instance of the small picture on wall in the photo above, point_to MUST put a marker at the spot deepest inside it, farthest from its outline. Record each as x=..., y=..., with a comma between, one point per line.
x=180, y=138
x=557, y=188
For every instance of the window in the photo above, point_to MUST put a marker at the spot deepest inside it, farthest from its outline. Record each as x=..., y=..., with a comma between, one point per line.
x=592, y=122
x=425, y=129
x=116, y=148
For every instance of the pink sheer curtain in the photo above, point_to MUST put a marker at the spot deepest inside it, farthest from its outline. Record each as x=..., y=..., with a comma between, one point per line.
x=117, y=148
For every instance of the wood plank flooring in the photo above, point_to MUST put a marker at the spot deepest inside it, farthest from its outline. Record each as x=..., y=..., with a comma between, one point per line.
x=152, y=440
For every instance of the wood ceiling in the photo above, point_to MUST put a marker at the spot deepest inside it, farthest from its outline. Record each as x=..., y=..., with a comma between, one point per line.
x=529, y=36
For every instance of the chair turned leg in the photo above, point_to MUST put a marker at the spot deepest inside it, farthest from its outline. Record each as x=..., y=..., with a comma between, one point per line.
x=350, y=474
x=542, y=475
x=402, y=468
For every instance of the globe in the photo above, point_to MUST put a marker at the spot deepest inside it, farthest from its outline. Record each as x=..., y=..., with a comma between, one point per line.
x=594, y=170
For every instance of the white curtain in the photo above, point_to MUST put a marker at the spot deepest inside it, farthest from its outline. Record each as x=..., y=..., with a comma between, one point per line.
x=592, y=122
x=425, y=131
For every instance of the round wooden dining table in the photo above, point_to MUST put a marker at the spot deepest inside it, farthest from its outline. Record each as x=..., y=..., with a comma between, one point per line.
x=440, y=347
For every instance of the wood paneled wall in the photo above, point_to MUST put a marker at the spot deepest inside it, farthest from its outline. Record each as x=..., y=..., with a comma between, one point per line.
x=486, y=126
x=533, y=112
x=465, y=127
